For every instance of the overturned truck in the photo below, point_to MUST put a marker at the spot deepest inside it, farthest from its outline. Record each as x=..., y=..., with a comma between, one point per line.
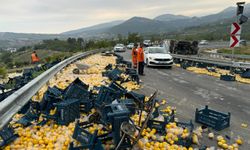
x=184, y=47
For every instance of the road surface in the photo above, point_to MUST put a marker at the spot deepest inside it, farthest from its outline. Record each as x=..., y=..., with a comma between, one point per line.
x=187, y=91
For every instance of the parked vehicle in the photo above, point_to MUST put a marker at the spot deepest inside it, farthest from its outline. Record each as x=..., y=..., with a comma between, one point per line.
x=203, y=42
x=130, y=45
x=119, y=48
x=243, y=42
x=157, y=56
x=147, y=43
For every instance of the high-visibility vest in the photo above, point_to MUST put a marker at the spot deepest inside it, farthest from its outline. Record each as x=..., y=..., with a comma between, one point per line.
x=134, y=55
x=34, y=57
x=140, y=55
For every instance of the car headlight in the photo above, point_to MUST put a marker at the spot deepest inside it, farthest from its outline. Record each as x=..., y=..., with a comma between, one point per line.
x=150, y=57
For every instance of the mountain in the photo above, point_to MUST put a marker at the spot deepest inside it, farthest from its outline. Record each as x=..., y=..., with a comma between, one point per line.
x=96, y=28
x=169, y=23
x=166, y=24
x=9, y=39
x=170, y=17
x=137, y=24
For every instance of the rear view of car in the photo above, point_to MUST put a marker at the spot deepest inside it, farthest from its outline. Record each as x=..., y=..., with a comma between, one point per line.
x=119, y=48
x=130, y=45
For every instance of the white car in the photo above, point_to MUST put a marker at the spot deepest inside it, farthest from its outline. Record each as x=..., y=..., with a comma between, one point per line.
x=203, y=42
x=119, y=48
x=157, y=56
x=130, y=45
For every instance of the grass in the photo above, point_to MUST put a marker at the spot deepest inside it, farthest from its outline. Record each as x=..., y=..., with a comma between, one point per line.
x=244, y=50
x=3, y=72
x=25, y=56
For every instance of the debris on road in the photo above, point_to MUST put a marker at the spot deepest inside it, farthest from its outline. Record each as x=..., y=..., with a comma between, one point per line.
x=100, y=109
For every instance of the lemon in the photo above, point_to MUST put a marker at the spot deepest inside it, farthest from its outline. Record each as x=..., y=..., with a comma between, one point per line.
x=148, y=145
x=239, y=141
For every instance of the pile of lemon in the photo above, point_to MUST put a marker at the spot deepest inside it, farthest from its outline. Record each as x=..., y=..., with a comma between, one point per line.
x=218, y=73
x=47, y=137
x=222, y=143
x=153, y=141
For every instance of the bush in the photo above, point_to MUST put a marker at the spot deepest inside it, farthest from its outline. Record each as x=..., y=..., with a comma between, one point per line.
x=3, y=72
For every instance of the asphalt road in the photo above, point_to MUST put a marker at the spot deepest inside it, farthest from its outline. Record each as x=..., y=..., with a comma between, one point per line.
x=187, y=91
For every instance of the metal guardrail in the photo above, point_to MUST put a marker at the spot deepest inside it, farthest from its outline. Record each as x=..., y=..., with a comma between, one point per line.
x=12, y=104
x=222, y=55
x=213, y=61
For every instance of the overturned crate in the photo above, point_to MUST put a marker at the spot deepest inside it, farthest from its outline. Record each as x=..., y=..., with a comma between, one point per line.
x=7, y=135
x=79, y=90
x=187, y=141
x=66, y=111
x=211, y=118
x=160, y=125
x=86, y=139
x=227, y=77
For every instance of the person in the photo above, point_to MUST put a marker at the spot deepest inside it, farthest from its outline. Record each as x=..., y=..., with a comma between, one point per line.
x=140, y=60
x=34, y=58
x=134, y=56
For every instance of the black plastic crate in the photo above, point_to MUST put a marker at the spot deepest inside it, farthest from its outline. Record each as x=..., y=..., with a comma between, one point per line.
x=161, y=125
x=28, y=118
x=67, y=111
x=187, y=142
x=227, y=77
x=114, y=75
x=76, y=90
x=211, y=118
x=86, y=139
x=118, y=88
x=245, y=74
x=7, y=135
x=129, y=103
x=105, y=96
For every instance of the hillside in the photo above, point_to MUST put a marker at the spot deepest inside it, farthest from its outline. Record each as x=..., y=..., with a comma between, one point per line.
x=163, y=24
x=170, y=17
x=96, y=28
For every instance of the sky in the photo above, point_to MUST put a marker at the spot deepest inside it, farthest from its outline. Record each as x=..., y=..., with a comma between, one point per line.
x=56, y=16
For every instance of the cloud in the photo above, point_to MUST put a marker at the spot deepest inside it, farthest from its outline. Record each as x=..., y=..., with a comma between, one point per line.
x=55, y=16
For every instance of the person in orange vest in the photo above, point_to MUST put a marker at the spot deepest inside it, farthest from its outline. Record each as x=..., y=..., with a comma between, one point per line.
x=34, y=58
x=134, y=56
x=140, y=60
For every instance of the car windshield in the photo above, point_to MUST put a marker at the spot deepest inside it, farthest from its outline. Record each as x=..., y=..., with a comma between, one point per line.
x=157, y=50
x=120, y=45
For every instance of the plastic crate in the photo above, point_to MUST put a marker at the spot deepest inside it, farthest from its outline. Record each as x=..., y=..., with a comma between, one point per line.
x=227, y=77
x=108, y=67
x=114, y=75
x=67, y=111
x=127, y=63
x=86, y=139
x=211, y=118
x=105, y=96
x=129, y=103
x=245, y=74
x=138, y=98
x=118, y=88
x=51, y=96
x=28, y=118
x=7, y=135
x=79, y=90
x=76, y=90
x=161, y=125
x=115, y=114
x=187, y=142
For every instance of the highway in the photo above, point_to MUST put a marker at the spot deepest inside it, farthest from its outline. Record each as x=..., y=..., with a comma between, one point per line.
x=188, y=91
